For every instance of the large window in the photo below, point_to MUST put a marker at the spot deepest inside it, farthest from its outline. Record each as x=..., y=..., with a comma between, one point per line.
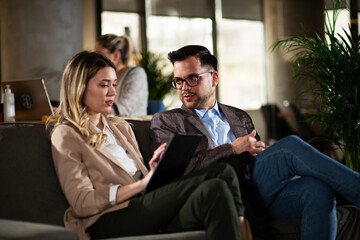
x=342, y=22
x=241, y=58
x=173, y=24
x=165, y=34
x=183, y=31
x=121, y=23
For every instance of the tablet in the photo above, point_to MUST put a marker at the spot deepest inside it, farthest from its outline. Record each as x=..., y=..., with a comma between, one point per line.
x=175, y=159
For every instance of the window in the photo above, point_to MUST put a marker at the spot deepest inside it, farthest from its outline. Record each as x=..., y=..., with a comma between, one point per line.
x=241, y=56
x=118, y=22
x=163, y=39
x=183, y=31
x=342, y=21
x=173, y=24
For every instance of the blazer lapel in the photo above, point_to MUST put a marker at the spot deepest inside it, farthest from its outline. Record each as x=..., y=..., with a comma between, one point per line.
x=238, y=129
x=194, y=119
x=134, y=154
x=116, y=162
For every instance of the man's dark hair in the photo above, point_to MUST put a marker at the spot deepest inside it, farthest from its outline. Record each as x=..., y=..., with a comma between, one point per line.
x=204, y=55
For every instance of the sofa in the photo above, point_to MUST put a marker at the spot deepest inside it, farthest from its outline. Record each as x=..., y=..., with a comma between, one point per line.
x=32, y=204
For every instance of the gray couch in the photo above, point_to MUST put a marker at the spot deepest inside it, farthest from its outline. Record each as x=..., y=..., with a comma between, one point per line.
x=32, y=204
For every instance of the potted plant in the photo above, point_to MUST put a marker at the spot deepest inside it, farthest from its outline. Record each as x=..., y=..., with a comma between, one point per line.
x=331, y=64
x=158, y=82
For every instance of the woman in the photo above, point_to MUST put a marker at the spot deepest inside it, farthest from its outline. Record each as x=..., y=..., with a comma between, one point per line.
x=102, y=173
x=132, y=92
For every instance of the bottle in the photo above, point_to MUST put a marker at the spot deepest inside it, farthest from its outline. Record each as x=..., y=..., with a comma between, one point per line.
x=9, y=105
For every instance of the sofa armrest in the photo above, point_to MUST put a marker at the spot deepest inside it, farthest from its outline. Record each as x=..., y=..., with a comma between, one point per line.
x=10, y=229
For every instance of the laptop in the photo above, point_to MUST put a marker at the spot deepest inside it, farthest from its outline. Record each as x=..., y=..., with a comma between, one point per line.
x=175, y=159
x=31, y=99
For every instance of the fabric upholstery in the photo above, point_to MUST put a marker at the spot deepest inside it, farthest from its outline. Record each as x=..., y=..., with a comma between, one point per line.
x=30, y=191
x=29, y=188
x=18, y=230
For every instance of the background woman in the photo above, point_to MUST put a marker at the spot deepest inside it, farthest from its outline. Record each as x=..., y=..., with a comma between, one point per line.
x=132, y=91
x=102, y=172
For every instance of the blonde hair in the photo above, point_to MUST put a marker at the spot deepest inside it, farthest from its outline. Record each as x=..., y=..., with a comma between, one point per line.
x=114, y=42
x=72, y=110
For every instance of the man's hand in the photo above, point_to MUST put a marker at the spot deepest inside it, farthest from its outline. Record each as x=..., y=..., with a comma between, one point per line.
x=249, y=144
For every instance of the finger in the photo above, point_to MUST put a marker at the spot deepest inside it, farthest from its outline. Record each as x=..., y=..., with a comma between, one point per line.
x=253, y=133
x=260, y=144
x=160, y=149
x=256, y=150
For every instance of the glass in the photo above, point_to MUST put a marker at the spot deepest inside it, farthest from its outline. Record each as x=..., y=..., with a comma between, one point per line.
x=342, y=23
x=183, y=31
x=121, y=23
x=241, y=63
x=192, y=80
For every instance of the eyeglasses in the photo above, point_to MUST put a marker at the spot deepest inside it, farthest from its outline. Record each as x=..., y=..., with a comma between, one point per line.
x=192, y=80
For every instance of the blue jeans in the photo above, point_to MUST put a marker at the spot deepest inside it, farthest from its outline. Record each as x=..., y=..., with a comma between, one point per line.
x=310, y=196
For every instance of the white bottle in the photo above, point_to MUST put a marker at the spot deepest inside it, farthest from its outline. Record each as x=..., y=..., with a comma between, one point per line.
x=9, y=105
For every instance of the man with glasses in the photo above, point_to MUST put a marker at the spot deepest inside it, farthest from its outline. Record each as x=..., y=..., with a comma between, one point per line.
x=293, y=179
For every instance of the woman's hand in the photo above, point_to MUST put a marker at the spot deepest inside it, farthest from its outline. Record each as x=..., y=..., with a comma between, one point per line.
x=156, y=156
x=153, y=162
x=128, y=191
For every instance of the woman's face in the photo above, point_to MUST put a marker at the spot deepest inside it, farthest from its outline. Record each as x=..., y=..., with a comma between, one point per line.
x=104, y=51
x=100, y=91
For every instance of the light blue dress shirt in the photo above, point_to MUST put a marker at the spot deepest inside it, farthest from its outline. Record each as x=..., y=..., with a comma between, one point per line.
x=217, y=125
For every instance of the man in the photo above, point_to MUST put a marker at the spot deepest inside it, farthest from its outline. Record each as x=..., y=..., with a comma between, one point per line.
x=229, y=136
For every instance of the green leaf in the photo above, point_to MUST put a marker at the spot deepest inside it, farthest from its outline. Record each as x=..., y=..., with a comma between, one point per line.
x=332, y=68
x=158, y=82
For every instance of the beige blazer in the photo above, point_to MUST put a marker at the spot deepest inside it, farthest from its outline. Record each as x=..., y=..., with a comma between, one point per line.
x=86, y=173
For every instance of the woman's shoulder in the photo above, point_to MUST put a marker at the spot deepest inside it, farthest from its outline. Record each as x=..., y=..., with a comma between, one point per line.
x=136, y=70
x=118, y=122
x=62, y=130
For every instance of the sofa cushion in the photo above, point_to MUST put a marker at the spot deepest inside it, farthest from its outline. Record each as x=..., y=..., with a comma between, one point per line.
x=141, y=130
x=29, y=188
x=18, y=230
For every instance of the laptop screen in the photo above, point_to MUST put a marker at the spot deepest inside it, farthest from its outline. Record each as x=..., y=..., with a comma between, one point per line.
x=31, y=99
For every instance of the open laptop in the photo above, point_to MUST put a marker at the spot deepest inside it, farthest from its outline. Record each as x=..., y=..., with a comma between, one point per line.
x=31, y=99
x=174, y=160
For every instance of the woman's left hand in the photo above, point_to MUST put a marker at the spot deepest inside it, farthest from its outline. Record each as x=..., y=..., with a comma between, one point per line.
x=156, y=156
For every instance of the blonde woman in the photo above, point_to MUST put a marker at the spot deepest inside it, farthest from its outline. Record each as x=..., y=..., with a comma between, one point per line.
x=132, y=91
x=102, y=172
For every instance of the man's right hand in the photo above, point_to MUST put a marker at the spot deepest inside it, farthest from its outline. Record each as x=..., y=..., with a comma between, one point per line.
x=249, y=144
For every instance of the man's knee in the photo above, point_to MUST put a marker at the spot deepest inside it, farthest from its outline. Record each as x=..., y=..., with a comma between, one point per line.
x=317, y=193
x=292, y=139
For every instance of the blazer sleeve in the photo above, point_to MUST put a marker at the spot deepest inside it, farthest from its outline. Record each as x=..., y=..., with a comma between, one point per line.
x=162, y=128
x=67, y=151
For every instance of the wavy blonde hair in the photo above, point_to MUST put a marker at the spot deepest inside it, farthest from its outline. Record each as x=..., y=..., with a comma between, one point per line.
x=72, y=110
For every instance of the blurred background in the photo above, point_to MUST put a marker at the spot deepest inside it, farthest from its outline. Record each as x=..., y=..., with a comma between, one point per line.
x=37, y=37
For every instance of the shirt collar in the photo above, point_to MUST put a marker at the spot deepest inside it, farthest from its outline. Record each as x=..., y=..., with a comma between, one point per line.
x=202, y=112
x=105, y=123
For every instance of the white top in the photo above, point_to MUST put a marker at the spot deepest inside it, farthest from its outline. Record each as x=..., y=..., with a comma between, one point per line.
x=115, y=148
x=132, y=93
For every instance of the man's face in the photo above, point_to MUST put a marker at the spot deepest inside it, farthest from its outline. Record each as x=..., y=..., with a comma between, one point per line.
x=201, y=96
